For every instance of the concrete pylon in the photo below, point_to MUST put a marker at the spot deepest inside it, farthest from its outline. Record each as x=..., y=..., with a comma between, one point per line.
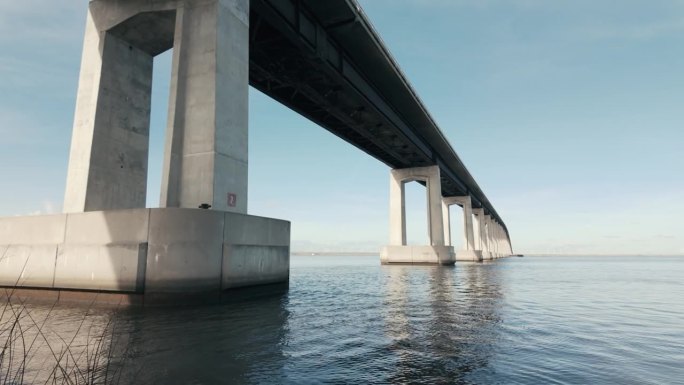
x=482, y=238
x=488, y=237
x=205, y=157
x=468, y=252
x=494, y=239
x=398, y=251
x=497, y=239
x=503, y=242
x=507, y=242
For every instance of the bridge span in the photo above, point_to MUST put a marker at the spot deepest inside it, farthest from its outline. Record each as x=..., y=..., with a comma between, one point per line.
x=322, y=59
x=325, y=60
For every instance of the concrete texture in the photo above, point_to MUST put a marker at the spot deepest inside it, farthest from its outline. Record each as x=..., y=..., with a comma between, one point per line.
x=145, y=251
x=109, y=148
x=468, y=253
x=100, y=267
x=206, y=149
x=255, y=250
x=430, y=255
x=431, y=177
x=398, y=251
x=185, y=251
x=28, y=249
x=481, y=234
x=27, y=265
x=206, y=143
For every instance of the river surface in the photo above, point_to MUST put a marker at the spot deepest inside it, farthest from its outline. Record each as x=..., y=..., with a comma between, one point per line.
x=349, y=320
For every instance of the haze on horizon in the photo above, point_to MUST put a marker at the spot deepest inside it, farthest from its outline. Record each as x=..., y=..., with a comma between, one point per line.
x=568, y=114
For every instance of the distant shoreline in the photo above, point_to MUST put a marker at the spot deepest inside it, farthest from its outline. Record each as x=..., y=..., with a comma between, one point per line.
x=335, y=253
x=603, y=255
x=375, y=253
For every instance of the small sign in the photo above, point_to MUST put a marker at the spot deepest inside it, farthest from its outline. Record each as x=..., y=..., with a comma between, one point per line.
x=232, y=200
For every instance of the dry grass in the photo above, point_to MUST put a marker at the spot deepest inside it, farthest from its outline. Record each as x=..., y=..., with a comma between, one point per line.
x=38, y=346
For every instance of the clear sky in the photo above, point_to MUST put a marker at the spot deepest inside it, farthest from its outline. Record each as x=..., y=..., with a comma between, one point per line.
x=569, y=114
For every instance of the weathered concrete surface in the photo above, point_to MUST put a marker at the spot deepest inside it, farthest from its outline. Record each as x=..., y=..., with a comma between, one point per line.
x=397, y=251
x=434, y=255
x=100, y=267
x=109, y=148
x=255, y=250
x=28, y=249
x=206, y=151
x=146, y=251
x=185, y=251
x=468, y=253
x=206, y=142
x=481, y=234
x=398, y=179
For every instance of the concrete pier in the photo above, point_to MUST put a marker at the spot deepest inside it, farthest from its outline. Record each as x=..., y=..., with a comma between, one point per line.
x=398, y=251
x=144, y=251
x=481, y=234
x=205, y=157
x=468, y=252
x=107, y=241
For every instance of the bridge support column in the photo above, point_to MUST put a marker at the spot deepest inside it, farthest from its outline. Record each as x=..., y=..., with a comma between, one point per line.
x=468, y=253
x=206, y=149
x=398, y=251
x=488, y=236
x=502, y=241
x=506, y=242
x=493, y=239
x=497, y=240
x=107, y=240
x=481, y=234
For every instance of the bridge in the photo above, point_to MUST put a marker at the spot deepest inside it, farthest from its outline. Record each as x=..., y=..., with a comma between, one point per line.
x=322, y=59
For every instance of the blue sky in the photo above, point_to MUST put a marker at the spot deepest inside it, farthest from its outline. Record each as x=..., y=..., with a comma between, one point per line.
x=570, y=115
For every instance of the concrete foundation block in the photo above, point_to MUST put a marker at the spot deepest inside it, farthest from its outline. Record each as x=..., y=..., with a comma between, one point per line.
x=112, y=267
x=469, y=255
x=167, y=252
x=32, y=230
x=185, y=250
x=243, y=229
x=248, y=265
x=106, y=227
x=431, y=255
x=27, y=265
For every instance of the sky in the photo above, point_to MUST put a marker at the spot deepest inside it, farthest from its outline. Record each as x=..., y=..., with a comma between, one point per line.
x=568, y=113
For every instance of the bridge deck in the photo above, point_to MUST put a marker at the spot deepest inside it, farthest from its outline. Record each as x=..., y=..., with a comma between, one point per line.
x=324, y=60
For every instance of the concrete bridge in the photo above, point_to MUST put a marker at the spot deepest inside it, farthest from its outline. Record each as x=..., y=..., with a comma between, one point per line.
x=322, y=59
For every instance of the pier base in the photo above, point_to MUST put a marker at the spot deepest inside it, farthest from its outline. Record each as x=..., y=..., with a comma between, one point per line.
x=144, y=251
x=469, y=255
x=429, y=255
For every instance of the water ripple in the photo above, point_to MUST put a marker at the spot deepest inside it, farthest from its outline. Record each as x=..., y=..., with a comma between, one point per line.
x=352, y=321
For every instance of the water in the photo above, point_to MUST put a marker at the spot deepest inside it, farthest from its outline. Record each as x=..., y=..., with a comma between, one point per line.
x=533, y=320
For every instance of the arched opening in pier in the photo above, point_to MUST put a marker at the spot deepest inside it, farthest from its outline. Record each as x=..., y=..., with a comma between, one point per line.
x=416, y=204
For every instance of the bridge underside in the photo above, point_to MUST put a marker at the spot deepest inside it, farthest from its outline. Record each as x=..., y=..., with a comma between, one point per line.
x=323, y=60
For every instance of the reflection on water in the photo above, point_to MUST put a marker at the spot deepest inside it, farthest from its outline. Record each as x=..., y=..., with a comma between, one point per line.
x=440, y=331
x=350, y=320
